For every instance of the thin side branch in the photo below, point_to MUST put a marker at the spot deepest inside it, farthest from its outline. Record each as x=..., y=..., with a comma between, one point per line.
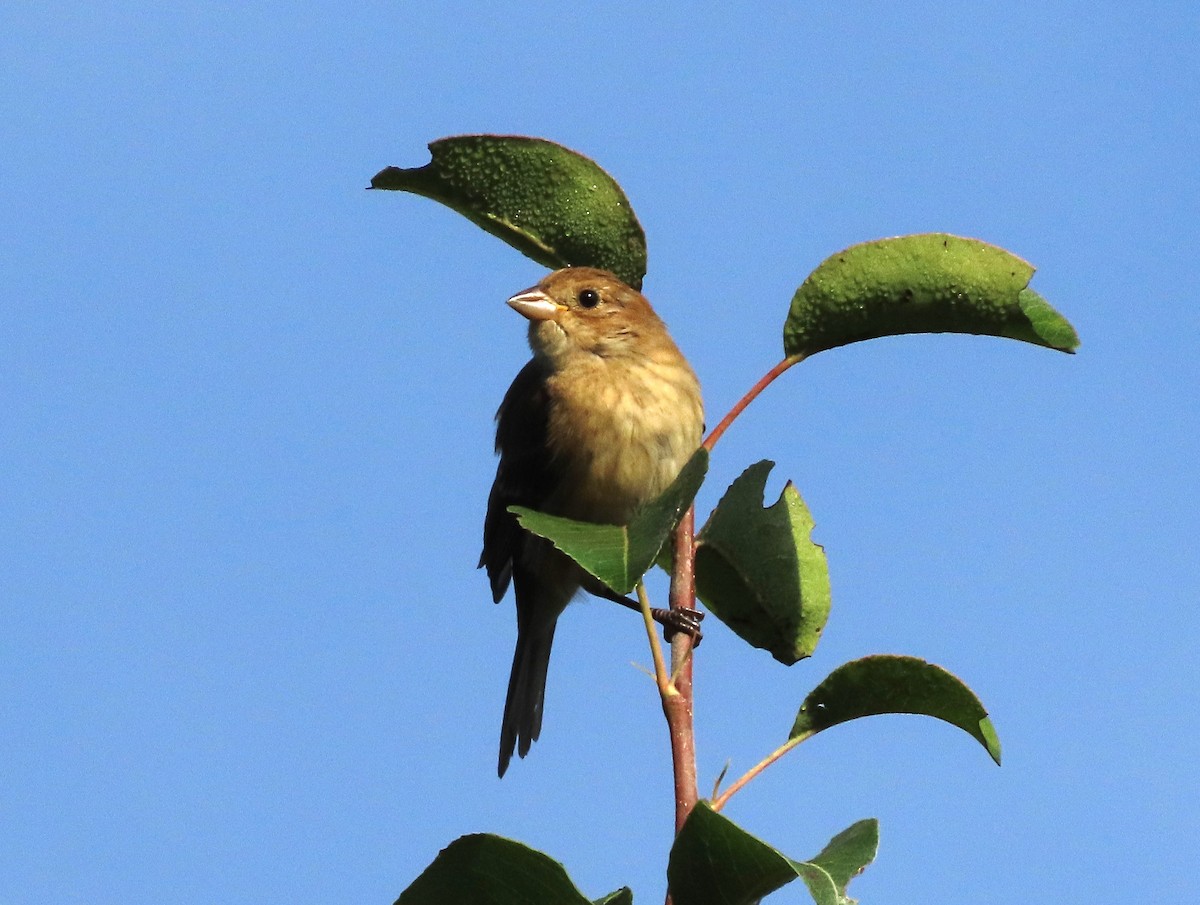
x=765, y=381
x=661, y=679
x=720, y=800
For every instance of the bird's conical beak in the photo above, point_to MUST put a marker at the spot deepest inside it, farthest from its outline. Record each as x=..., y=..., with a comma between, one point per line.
x=535, y=305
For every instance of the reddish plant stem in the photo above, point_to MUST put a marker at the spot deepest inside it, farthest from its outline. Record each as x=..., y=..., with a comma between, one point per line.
x=711, y=440
x=677, y=707
x=677, y=700
x=720, y=800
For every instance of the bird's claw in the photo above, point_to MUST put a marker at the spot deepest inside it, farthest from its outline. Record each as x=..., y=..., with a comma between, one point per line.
x=682, y=620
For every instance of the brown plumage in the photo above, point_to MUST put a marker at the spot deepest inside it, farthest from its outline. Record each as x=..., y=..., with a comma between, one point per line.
x=600, y=421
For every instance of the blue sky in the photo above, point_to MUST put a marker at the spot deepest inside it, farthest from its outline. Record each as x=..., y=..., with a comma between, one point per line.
x=245, y=655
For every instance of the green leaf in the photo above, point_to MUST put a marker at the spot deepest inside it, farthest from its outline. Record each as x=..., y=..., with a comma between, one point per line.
x=894, y=684
x=619, y=555
x=849, y=852
x=932, y=283
x=716, y=862
x=548, y=202
x=759, y=571
x=482, y=869
x=623, y=896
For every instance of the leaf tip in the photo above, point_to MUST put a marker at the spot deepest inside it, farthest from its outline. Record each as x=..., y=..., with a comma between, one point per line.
x=991, y=741
x=1054, y=330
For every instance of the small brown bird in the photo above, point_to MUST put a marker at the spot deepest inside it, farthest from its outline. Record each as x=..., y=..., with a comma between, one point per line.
x=599, y=422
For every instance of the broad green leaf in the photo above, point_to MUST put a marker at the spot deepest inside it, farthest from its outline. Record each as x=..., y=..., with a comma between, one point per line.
x=931, y=283
x=894, y=684
x=548, y=202
x=759, y=571
x=482, y=869
x=716, y=862
x=619, y=555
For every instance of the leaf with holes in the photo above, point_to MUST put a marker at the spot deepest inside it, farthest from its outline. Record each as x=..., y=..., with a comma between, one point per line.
x=759, y=571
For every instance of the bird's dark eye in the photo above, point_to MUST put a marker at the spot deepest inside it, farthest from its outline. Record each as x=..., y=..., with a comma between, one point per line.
x=589, y=298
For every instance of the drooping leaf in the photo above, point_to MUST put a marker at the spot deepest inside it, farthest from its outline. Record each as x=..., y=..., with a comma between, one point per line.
x=930, y=283
x=482, y=869
x=894, y=684
x=759, y=571
x=548, y=202
x=619, y=555
x=716, y=862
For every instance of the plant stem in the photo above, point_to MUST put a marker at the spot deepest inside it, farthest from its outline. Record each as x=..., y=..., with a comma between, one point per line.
x=676, y=691
x=765, y=381
x=678, y=707
x=661, y=678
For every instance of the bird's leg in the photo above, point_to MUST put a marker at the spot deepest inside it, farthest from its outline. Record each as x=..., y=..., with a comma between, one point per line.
x=672, y=621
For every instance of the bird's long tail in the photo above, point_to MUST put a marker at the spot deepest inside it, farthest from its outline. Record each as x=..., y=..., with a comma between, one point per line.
x=526, y=692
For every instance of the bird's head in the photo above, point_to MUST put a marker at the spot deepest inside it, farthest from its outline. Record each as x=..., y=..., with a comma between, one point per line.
x=584, y=310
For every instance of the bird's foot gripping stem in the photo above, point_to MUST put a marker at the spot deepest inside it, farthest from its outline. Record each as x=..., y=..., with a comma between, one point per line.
x=673, y=622
x=677, y=621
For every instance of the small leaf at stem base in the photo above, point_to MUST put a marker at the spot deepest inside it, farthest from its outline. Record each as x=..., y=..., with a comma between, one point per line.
x=716, y=862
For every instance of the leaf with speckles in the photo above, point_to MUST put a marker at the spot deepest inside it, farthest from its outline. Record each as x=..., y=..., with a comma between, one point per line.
x=548, y=202
x=931, y=283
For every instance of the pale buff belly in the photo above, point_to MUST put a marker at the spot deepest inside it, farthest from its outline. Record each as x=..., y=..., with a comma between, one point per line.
x=622, y=447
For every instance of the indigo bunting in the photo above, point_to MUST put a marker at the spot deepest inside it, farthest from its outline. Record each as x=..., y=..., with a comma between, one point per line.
x=599, y=422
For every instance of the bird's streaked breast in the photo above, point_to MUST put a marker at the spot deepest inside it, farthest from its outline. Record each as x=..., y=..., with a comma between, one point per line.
x=621, y=442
